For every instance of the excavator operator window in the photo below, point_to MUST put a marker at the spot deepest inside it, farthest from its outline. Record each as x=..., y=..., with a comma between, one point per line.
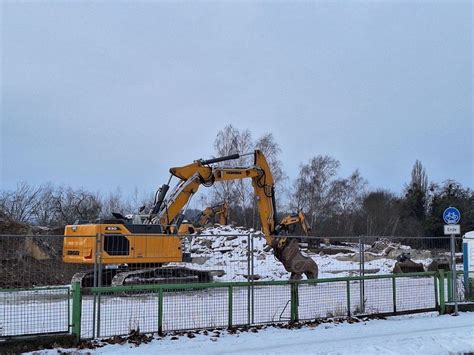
x=116, y=244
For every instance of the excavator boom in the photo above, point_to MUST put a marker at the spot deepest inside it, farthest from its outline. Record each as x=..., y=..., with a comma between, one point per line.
x=200, y=172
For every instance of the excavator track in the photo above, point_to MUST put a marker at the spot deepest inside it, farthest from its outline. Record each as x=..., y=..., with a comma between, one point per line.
x=161, y=275
x=156, y=275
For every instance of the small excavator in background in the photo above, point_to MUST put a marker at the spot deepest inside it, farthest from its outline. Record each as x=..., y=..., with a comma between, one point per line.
x=141, y=246
x=210, y=214
x=289, y=222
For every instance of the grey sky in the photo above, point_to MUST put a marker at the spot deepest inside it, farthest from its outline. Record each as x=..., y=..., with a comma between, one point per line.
x=101, y=95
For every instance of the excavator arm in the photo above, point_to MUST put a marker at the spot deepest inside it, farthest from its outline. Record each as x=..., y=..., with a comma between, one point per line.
x=200, y=172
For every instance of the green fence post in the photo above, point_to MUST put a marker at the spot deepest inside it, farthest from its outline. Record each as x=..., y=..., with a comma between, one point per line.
x=436, y=290
x=348, y=295
x=394, y=293
x=441, y=292
x=229, y=318
x=449, y=279
x=294, y=301
x=76, y=309
x=160, y=311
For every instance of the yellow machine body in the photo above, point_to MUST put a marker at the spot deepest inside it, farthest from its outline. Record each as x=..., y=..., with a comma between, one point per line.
x=119, y=245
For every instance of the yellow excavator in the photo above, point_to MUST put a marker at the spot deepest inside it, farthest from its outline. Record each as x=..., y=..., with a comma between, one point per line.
x=219, y=212
x=142, y=245
x=291, y=220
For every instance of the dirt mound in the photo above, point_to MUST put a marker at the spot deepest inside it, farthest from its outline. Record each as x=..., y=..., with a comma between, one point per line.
x=29, y=259
x=9, y=226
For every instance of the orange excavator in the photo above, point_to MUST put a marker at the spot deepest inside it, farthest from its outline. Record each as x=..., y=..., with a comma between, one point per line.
x=219, y=212
x=143, y=248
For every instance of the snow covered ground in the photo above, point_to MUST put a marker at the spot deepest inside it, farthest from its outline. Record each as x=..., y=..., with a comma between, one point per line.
x=420, y=334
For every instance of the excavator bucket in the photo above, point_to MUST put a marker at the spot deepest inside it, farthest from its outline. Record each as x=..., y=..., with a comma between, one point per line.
x=404, y=265
x=295, y=262
x=440, y=264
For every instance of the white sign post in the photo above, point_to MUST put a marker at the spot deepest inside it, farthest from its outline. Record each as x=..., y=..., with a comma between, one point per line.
x=451, y=217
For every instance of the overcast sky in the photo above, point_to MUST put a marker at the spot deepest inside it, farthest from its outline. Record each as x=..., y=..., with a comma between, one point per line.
x=101, y=95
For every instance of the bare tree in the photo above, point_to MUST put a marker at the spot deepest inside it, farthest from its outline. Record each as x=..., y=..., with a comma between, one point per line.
x=115, y=202
x=235, y=192
x=72, y=205
x=44, y=211
x=21, y=203
x=348, y=193
x=226, y=143
x=271, y=149
x=313, y=186
x=140, y=200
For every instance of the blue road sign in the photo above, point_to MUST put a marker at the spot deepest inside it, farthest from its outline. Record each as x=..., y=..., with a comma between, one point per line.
x=451, y=215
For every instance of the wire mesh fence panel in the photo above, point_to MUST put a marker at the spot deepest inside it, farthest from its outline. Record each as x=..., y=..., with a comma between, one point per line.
x=371, y=255
x=193, y=309
x=88, y=320
x=241, y=305
x=35, y=260
x=120, y=259
x=169, y=259
x=376, y=297
x=270, y=304
x=415, y=293
x=468, y=282
x=461, y=288
x=322, y=300
x=335, y=257
x=122, y=313
x=37, y=311
x=225, y=256
x=356, y=297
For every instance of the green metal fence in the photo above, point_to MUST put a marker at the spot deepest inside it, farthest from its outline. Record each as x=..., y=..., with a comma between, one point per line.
x=109, y=311
x=42, y=310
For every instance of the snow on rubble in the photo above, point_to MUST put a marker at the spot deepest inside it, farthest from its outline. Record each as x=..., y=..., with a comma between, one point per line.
x=224, y=249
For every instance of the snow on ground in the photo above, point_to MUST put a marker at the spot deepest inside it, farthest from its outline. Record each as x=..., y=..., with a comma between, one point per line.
x=420, y=334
